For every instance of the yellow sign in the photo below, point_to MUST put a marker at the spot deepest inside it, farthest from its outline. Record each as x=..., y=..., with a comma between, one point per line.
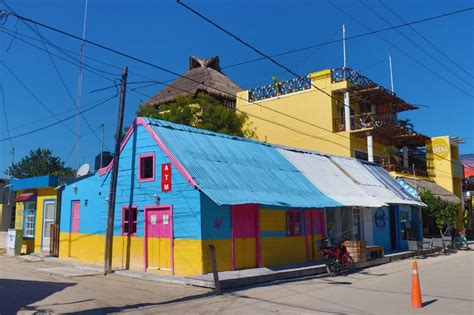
x=440, y=149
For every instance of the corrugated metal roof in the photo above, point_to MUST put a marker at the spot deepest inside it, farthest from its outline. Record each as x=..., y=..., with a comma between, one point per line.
x=348, y=180
x=421, y=184
x=233, y=170
x=398, y=194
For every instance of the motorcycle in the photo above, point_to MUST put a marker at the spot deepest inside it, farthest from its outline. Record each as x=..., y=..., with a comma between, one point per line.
x=337, y=258
x=460, y=242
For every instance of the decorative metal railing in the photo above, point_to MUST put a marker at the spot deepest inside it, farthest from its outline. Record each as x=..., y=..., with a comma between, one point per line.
x=348, y=74
x=418, y=168
x=279, y=88
x=366, y=120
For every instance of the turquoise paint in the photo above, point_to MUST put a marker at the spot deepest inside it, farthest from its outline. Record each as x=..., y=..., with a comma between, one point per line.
x=381, y=228
x=184, y=198
x=273, y=234
x=216, y=221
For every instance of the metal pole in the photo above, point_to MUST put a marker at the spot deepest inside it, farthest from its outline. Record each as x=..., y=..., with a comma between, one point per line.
x=113, y=180
x=217, y=285
x=344, y=44
x=391, y=72
x=101, y=145
x=79, y=90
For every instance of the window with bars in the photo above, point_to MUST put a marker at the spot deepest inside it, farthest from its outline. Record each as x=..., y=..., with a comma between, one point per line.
x=29, y=211
x=293, y=223
x=129, y=221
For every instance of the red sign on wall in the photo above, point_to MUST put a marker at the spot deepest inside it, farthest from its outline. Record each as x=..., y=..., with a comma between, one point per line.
x=166, y=177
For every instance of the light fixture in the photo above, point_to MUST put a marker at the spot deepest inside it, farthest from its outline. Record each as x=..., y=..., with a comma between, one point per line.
x=157, y=199
x=74, y=189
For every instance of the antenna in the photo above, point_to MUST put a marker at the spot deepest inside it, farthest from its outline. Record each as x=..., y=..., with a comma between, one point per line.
x=83, y=170
x=391, y=72
x=79, y=89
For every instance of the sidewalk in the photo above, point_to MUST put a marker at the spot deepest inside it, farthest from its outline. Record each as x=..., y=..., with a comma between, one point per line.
x=227, y=279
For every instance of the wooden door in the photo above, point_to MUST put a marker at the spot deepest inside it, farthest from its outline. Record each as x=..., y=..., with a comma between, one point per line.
x=159, y=243
x=244, y=236
x=315, y=232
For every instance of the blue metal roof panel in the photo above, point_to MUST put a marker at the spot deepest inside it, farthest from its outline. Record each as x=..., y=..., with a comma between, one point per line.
x=233, y=170
x=35, y=182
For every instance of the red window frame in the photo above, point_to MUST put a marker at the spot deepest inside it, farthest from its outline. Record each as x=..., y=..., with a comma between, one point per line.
x=130, y=221
x=140, y=158
x=294, y=223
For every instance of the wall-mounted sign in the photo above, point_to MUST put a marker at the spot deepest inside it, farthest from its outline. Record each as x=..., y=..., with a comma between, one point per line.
x=166, y=219
x=153, y=219
x=166, y=177
x=440, y=149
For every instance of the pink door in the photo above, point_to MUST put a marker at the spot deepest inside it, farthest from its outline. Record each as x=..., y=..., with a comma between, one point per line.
x=75, y=216
x=244, y=236
x=314, y=226
x=159, y=240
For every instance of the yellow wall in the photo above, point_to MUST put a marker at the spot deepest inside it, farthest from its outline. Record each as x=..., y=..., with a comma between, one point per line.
x=310, y=105
x=277, y=251
x=444, y=168
x=42, y=195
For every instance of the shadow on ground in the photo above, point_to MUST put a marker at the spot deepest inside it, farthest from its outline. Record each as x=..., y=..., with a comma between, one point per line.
x=18, y=294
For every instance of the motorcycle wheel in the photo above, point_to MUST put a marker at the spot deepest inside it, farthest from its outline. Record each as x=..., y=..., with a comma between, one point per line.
x=331, y=267
x=350, y=264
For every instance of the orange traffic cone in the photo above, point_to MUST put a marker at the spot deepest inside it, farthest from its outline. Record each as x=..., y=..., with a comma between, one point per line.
x=415, y=287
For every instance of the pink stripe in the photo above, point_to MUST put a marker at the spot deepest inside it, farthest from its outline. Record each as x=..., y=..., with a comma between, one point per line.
x=258, y=240
x=176, y=163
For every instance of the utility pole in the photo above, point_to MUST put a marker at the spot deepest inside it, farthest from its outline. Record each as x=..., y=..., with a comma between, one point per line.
x=101, y=145
x=109, y=238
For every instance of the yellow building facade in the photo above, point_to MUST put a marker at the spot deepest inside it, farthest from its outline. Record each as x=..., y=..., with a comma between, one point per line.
x=344, y=113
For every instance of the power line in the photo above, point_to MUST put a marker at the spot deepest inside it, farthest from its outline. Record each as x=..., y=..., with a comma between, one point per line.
x=402, y=51
x=353, y=37
x=5, y=114
x=34, y=96
x=416, y=44
x=59, y=121
x=68, y=92
x=427, y=40
x=173, y=72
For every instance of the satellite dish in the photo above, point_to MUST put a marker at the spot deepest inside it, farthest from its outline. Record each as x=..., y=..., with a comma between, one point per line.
x=83, y=170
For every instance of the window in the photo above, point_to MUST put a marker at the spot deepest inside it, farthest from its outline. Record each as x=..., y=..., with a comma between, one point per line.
x=129, y=221
x=29, y=209
x=293, y=223
x=146, y=167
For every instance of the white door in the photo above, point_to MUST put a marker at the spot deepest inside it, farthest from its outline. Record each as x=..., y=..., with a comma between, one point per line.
x=49, y=214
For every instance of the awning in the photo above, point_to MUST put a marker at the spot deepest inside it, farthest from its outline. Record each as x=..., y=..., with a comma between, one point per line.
x=25, y=196
x=421, y=185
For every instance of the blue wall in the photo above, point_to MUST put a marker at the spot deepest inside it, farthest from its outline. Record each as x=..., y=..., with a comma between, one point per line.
x=381, y=228
x=216, y=221
x=183, y=197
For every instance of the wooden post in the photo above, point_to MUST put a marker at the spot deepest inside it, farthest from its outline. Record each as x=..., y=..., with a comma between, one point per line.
x=217, y=285
x=109, y=236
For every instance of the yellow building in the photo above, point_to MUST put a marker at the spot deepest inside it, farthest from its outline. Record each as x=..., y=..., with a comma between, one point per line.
x=36, y=203
x=342, y=112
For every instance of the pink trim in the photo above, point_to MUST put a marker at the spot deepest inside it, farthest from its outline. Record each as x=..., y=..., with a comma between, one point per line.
x=176, y=163
x=258, y=238
x=145, y=243
x=307, y=215
x=140, y=179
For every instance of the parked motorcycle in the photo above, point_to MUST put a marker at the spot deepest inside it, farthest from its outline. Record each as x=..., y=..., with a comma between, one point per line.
x=337, y=258
x=460, y=242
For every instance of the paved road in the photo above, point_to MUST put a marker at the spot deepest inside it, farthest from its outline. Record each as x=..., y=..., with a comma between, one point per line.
x=446, y=283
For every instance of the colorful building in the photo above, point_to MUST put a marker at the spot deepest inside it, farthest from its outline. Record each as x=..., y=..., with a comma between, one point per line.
x=36, y=204
x=181, y=189
x=343, y=112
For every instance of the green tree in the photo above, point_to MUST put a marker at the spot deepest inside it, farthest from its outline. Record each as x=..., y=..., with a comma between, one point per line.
x=443, y=212
x=406, y=123
x=201, y=111
x=39, y=162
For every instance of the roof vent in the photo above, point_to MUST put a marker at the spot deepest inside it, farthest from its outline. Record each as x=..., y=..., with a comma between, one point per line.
x=211, y=62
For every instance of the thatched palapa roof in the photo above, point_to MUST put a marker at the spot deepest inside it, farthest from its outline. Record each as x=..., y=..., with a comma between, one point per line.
x=205, y=75
x=421, y=184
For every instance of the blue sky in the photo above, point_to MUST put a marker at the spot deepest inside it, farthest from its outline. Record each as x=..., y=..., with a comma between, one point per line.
x=164, y=33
